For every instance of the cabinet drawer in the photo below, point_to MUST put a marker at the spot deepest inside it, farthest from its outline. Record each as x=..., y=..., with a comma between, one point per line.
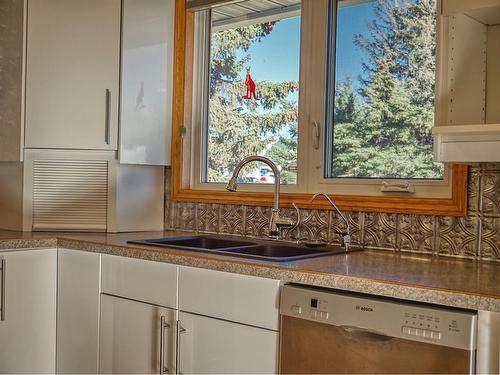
x=141, y=280
x=213, y=346
x=238, y=298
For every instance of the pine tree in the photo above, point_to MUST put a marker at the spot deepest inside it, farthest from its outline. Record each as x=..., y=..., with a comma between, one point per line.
x=238, y=127
x=390, y=134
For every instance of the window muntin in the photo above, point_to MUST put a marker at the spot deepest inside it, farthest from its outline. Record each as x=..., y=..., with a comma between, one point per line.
x=255, y=48
x=380, y=106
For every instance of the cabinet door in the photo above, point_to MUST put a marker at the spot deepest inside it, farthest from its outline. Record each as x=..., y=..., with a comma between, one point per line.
x=146, y=81
x=131, y=337
x=73, y=59
x=28, y=328
x=238, y=298
x=213, y=346
x=77, y=311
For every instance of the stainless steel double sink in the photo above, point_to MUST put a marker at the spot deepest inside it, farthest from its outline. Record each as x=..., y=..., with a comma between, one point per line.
x=265, y=250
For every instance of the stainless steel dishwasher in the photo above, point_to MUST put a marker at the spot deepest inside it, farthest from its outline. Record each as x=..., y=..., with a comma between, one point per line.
x=324, y=331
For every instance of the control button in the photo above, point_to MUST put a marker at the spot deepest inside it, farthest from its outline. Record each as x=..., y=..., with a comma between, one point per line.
x=436, y=335
x=408, y=330
x=419, y=332
x=296, y=309
x=323, y=314
x=313, y=313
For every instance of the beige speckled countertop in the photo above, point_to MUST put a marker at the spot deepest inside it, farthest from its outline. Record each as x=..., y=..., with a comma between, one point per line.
x=443, y=281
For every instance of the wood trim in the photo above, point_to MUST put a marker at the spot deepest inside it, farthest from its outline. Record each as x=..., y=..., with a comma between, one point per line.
x=180, y=190
x=454, y=206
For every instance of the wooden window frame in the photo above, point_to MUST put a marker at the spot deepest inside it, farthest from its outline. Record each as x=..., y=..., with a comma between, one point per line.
x=181, y=189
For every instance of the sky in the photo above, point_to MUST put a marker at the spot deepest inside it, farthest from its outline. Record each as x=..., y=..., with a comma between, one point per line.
x=351, y=21
x=276, y=57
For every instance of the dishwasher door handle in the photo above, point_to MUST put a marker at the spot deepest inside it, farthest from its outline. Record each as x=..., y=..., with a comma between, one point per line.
x=366, y=333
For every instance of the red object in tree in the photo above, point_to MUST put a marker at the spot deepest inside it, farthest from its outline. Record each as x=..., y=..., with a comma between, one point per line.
x=250, y=87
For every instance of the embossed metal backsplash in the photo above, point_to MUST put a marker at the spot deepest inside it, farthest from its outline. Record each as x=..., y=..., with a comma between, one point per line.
x=476, y=236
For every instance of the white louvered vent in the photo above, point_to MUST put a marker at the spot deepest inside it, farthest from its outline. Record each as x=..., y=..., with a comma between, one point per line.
x=70, y=195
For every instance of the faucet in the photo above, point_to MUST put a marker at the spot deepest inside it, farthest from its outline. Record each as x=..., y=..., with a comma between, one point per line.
x=345, y=237
x=276, y=222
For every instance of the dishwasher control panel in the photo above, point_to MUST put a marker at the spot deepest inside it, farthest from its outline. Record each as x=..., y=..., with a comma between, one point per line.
x=412, y=321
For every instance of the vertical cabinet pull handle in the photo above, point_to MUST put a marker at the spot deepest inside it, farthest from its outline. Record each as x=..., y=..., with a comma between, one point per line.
x=180, y=329
x=2, y=298
x=107, y=119
x=163, y=326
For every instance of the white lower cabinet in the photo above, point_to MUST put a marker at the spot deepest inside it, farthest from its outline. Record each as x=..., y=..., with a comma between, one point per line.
x=110, y=314
x=229, y=321
x=77, y=311
x=213, y=346
x=138, y=316
x=136, y=337
x=225, y=323
x=28, y=319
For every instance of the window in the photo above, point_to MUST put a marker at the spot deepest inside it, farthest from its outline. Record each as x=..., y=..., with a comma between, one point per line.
x=382, y=90
x=339, y=93
x=252, y=92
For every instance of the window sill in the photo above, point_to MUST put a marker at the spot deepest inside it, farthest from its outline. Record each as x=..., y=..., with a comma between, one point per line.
x=454, y=206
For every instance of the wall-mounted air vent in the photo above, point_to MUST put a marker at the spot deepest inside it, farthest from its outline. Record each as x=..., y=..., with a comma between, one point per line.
x=70, y=195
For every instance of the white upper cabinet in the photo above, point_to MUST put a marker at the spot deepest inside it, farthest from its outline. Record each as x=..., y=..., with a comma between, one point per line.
x=146, y=81
x=91, y=75
x=487, y=11
x=468, y=116
x=72, y=84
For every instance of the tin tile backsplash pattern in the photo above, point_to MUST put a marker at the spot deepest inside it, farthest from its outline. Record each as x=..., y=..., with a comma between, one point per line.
x=475, y=237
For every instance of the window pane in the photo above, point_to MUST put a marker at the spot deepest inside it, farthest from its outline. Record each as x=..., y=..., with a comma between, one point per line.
x=253, y=90
x=382, y=99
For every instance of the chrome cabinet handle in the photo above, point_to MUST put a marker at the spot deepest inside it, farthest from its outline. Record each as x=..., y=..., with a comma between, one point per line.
x=2, y=298
x=163, y=326
x=180, y=329
x=107, y=119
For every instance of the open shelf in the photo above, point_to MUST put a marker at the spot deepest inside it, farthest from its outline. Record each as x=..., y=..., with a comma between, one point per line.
x=467, y=143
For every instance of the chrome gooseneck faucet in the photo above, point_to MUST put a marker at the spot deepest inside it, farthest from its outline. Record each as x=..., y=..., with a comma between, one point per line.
x=276, y=223
x=345, y=237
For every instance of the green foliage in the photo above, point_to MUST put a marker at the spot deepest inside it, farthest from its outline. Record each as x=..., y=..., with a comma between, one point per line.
x=285, y=154
x=238, y=127
x=387, y=131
